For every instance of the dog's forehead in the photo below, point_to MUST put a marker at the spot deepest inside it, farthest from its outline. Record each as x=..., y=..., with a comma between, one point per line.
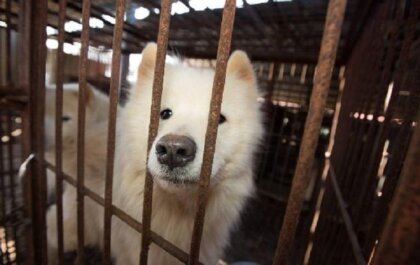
x=193, y=83
x=187, y=83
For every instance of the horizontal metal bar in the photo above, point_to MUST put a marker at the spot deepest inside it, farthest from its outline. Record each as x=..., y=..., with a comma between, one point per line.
x=11, y=105
x=11, y=90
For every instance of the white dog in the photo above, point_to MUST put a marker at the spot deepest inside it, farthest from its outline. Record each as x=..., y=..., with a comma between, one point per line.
x=96, y=112
x=175, y=162
x=95, y=154
x=176, y=158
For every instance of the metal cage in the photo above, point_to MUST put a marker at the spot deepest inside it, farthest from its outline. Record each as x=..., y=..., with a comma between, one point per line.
x=367, y=98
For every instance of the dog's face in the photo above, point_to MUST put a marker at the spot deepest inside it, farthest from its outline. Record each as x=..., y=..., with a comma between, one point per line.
x=175, y=158
x=94, y=114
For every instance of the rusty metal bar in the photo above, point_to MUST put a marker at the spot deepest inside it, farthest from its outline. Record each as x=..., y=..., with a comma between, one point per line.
x=8, y=42
x=59, y=129
x=269, y=139
x=9, y=128
x=223, y=50
x=376, y=139
x=162, y=45
x=38, y=23
x=83, y=64
x=281, y=135
x=3, y=198
x=286, y=162
x=362, y=175
x=269, y=106
x=403, y=222
x=357, y=251
x=10, y=156
x=409, y=80
x=364, y=80
x=322, y=236
x=351, y=171
x=113, y=106
x=391, y=176
x=11, y=90
x=329, y=196
x=24, y=81
x=321, y=195
x=331, y=36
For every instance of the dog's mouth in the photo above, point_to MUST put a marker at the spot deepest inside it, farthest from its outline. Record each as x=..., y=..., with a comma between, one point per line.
x=179, y=181
x=175, y=177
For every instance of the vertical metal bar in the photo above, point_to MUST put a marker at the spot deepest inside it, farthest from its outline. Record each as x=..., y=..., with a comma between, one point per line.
x=361, y=190
x=59, y=129
x=37, y=110
x=211, y=133
x=319, y=201
x=273, y=76
x=403, y=222
x=376, y=138
x=349, y=133
x=162, y=45
x=285, y=167
x=113, y=106
x=3, y=206
x=399, y=77
x=270, y=139
x=365, y=80
x=278, y=142
x=331, y=36
x=409, y=81
x=83, y=64
x=8, y=43
x=9, y=129
x=352, y=172
x=366, y=195
x=269, y=106
x=320, y=236
x=24, y=80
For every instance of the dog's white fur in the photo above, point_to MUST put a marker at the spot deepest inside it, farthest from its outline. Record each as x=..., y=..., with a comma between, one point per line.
x=97, y=108
x=96, y=111
x=95, y=154
x=95, y=164
x=187, y=92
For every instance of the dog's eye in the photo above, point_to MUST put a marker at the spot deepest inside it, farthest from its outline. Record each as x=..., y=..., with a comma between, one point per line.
x=66, y=118
x=222, y=119
x=166, y=114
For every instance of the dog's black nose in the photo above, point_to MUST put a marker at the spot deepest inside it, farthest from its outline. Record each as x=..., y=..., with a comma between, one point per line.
x=175, y=150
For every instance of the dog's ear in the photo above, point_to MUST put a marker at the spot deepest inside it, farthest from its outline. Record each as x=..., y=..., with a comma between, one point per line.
x=148, y=61
x=240, y=65
x=90, y=94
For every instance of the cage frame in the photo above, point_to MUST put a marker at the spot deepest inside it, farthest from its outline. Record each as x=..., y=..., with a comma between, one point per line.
x=32, y=86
